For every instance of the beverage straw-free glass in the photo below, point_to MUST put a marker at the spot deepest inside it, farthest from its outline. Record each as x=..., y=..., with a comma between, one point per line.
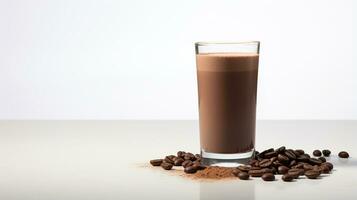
x=227, y=76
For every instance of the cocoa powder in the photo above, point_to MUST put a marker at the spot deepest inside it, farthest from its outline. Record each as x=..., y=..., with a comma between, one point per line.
x=214, y=172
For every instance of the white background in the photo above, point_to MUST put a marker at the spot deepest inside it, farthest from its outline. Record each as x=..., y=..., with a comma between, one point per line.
x=135, y=59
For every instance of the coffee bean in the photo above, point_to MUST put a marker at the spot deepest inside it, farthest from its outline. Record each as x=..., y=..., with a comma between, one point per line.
x=307, y=167
x=303, y=158
x=298, y=170
x=169, y=159
x=343, y=154
x=255, y=168
x=265, y=163
x=166, y=166
x=243, y=176
x=190, y=170
x=294, y=174
x=277, y=164
x=198, y=156
x=235, y=172
x=187, y=163
x=328, y=164
x=156, y=162
x=316, y=168
x=290, y=154
x=280, y=149
x=293, y=163
x=270, y=154
x=198, y=165
x=315, y=161
x=189, y=156
x=252, y=162
x=317, y=153
x=268, y=177
x=259, y=172
x=323, y=159
x=273, y=159
x=283, y=169
x=266, y=151
x=298, y=166
x=181, y=154
x=312, y=174
x=244, y=168
x=326, y=152
x=283, y=159
x=299, y=152
x=324, y=169
x=287, y=177
x=178, y=161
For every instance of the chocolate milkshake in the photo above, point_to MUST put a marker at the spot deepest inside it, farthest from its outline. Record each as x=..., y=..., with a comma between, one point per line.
x=227, y=87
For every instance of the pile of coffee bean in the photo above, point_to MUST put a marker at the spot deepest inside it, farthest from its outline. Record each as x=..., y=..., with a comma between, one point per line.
x=189, y=161
x=288, y=162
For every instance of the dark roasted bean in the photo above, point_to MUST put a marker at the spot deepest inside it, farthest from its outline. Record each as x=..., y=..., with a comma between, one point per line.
x=265, y=163
x=343, y=154
x=169, y=159
x=166, y=166
x=271, y=154
x=243, y=175
x=274, y=159
x=259, y=172
x=317, y=153
x=244, y=168
x=268, y=177
x=324, y=169
x=187, y=163
x=303, y=158
x=307, y=167
x=189, y=156
x=293, y=163
x=283, y=159
x=328, y=164
x=323, y=159
x=198, y=156
x=277, y=164
x=255, y=168
x=312, y=174
x=178, y=161
x=198, y=165
x=326, y=152
x=252, y=162
x=315, y=161
x=280, y=149
x=287, y=177
x=300, y=171
x=298, y=166
x=190, y=170
x=181, y=154
x=299, y=152
x=290, y=154
x=283, y=169
x=266, y=151
x=156, y=162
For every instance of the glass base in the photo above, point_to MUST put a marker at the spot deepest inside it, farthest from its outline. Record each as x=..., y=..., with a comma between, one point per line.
x=226, y=160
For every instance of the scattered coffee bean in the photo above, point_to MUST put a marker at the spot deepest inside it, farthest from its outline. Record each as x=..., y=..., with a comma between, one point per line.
x=190, y=170
x=323, y=159
x=283, y=159
x=265, y=163
x=187, y=163
x=189, y=156
x=287, y=177
x=317, y=153
x=290, y=154
x=169, y=159
x=298, y=170
x=266, y=151
x=198, y=166
x=328, y=164
x=268, y=177
x=293, y=163
x=283, y=169
x=156, y=162
x=324, y=169
x=259, y=172
x=280, y=149
x=277, y=164
x=166, y=166
x=244, y=168
x=243, y=175
x=312, y=174
x=178, y=161
x=181, y=154
x=298, y=166
x=303, y=158
x=326, y=152
x=315, y=161
x=270, y=154
x=308, y=167
x=343, y=154
x=299, y=152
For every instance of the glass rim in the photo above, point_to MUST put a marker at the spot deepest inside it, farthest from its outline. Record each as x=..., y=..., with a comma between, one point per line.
x=249, y=42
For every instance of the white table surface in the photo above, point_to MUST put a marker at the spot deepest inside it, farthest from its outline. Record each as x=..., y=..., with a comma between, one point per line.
x=108, y=160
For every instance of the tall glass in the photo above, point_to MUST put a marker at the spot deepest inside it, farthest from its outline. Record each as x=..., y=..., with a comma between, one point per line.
x=227, y=76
